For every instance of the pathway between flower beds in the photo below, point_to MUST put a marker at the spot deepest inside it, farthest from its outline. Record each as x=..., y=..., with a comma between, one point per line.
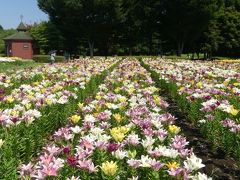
x=217, y=164
x=124, y=132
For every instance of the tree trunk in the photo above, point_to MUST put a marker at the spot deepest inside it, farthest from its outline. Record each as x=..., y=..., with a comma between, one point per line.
x=150, y=44
x=160, y=48
x=193, y=54
x=91, y=48
x=210, y=55
x=198, y=56
x=130, y=51
x=180, y=48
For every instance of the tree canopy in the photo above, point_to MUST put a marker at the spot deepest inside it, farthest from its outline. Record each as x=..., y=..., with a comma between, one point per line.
x=108, y=27
x=4, y=33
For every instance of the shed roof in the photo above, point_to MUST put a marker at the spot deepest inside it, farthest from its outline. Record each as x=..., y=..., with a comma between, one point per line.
x=21, y=35
x=21, y=27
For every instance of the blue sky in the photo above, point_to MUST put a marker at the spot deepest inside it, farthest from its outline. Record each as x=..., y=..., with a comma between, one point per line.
x=11, y=10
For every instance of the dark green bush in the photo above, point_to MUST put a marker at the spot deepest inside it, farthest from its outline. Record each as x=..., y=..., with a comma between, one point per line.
x=46, y=58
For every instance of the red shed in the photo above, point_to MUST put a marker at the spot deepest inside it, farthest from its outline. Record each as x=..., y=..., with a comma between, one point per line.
x=20, y=43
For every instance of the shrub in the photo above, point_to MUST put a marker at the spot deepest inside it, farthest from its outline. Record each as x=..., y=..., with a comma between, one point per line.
x=46, y=58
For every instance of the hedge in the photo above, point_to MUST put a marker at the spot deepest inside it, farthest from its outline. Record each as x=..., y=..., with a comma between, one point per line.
x=46, y=58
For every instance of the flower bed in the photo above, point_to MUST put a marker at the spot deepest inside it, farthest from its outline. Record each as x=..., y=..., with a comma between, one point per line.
x=8, y=59
x=209, y=92
x=21, y=141
x=124, y=132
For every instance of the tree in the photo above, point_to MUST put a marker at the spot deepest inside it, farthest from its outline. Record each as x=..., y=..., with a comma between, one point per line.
x=211, y=40
x=140, y=26
x=183, y=21
x=140, y=23
x=222, y=35
x=83, y=20
x=229, y=27
x=3, y=34
x=47, y=37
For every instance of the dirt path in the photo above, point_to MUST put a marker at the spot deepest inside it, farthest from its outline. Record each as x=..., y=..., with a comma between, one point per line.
x=217, y=165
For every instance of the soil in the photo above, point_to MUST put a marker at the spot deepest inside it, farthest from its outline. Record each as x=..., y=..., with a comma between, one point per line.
x=217, y=164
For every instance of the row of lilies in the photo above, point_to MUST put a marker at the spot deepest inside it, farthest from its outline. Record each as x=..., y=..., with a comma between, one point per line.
x=34, y=110
x=209, y=92
x=56, y=85
x=123, y=132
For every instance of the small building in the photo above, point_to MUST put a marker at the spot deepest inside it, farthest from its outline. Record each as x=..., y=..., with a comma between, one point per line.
x=19, y=44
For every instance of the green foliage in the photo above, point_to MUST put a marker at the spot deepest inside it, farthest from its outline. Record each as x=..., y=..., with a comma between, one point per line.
x=185, y=20
x=3, y=34
x=46, y=37
x=83, y=22
x=143, y=27
x=46, y=58
x=229, y=26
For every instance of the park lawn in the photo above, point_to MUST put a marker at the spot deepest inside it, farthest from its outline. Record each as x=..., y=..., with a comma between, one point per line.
x=8, y=67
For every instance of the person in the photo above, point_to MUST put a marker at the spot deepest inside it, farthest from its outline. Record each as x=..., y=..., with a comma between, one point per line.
x=52, y=57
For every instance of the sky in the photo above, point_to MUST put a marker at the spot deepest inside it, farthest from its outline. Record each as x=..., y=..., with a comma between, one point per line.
x=11, y=11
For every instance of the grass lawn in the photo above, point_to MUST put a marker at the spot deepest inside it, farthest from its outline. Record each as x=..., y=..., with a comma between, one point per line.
x=8, y=67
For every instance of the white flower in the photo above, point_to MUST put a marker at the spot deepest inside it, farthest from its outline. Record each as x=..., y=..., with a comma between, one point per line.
x=96, y=131
x=87, y=108
x=145, y=161
x=119, y=154
x=90, y=118
x=63, y=100
x=112, y=106
x=167, y=152
x=157, y=123
x=103, y=87
x=76, y=129
x=18, y=107
x=193, y=163
x=142, y=101
x=225, y=107
x=133, y=178
x=25, y=101
x=202, y=121
x=33, y=113
x=133, y=101
x=156, y=109
x=210, y=102
x=109, y=113
x=132, y=139
x=200, y=176
x=103, y=137
x=1, y=142
x=73, y=178
x=148, y=142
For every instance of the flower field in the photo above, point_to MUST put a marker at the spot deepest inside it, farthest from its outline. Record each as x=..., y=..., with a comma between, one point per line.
x=9, y=59
x=40, y=102
x=107, y=119
x=210, y=94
